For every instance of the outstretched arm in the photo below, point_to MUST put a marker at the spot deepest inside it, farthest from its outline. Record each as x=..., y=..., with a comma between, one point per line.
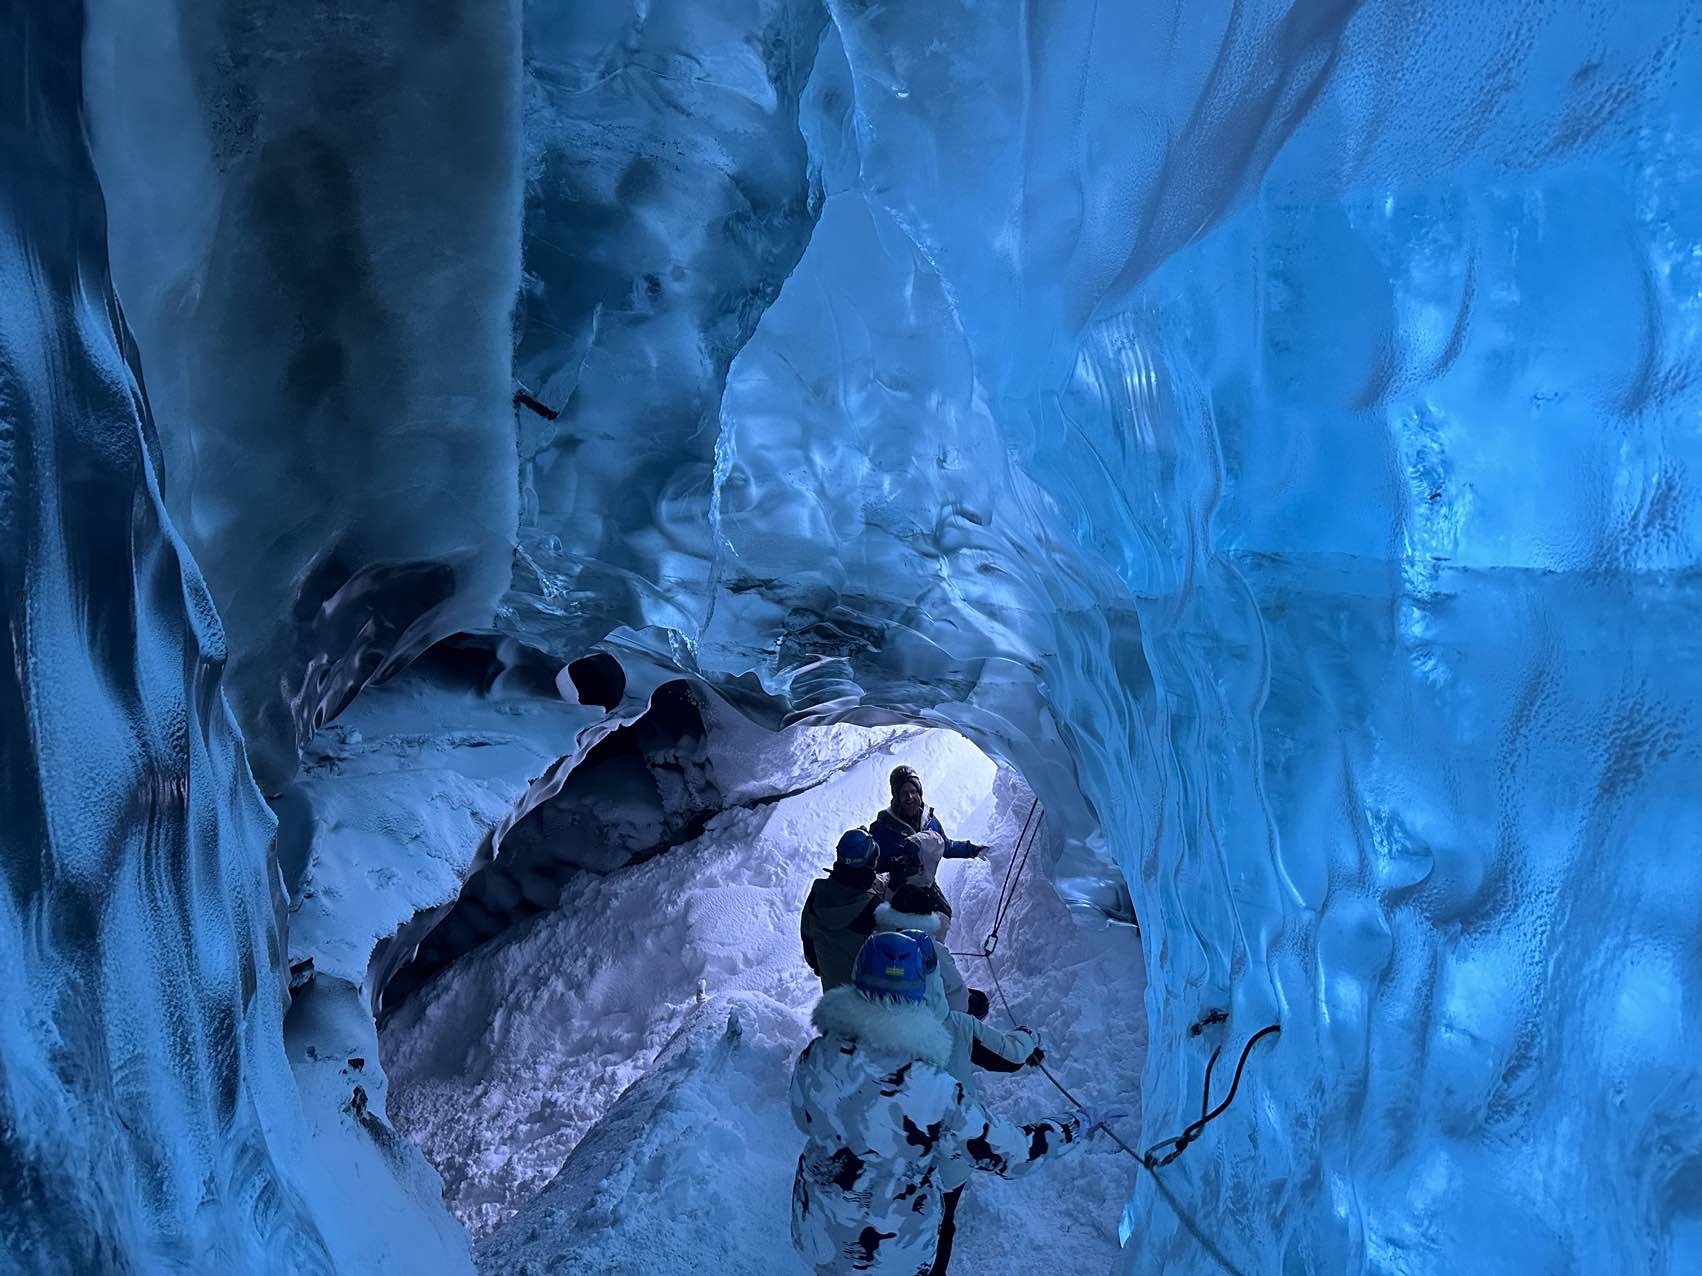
x=991, y=1060
x=1001, y=1147
x=996, y=1051
x=955, y=848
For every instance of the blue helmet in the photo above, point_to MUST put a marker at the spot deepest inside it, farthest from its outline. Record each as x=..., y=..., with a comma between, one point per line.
x=923, y=940
x=856, y=849
x=890, y=965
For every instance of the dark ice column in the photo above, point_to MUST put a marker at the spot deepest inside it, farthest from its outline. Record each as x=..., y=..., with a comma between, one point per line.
x=316, y=235
x=142, y=1076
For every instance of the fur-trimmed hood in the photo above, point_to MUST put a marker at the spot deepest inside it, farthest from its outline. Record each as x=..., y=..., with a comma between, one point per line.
x=903, y=1029
x=889, y=918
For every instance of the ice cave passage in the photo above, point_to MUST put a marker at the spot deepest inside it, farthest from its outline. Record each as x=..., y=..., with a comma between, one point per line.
x=489, y=493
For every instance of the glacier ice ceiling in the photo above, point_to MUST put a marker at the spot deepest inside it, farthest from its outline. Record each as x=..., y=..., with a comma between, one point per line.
x=1272, y=430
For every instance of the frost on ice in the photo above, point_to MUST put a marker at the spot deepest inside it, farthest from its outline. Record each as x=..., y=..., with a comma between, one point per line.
x=1265, y=433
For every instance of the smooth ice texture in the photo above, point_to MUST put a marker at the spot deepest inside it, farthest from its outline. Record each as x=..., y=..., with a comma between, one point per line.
x=138, y=920
x=314, y=227
x=1270, y=428
x=149, y=1118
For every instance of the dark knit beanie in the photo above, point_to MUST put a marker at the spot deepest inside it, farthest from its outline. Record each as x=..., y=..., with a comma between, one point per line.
x=903, y=775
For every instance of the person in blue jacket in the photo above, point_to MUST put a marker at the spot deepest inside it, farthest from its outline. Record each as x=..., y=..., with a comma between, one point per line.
x=909, y=815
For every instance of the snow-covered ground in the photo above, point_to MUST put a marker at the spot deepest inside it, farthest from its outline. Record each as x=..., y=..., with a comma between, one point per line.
x=645, y=1032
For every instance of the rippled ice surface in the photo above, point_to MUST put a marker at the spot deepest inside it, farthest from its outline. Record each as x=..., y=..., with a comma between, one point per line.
x=1272, y=429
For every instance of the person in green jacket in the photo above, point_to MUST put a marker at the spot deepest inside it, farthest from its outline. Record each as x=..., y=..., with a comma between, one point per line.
x=839, y=912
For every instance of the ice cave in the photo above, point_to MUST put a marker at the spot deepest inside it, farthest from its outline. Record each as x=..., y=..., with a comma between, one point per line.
x=492, y=494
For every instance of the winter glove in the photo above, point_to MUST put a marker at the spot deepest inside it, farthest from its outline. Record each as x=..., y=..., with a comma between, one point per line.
x=1028, y=1043
x=978, y=1004
x=1093, y=1120
x=981, y=852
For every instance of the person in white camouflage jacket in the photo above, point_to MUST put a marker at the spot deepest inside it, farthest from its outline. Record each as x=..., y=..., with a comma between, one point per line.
x=883, y=1119
x=975, y=1045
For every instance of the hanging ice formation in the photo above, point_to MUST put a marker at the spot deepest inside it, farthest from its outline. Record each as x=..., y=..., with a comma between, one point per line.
x=1272, y=428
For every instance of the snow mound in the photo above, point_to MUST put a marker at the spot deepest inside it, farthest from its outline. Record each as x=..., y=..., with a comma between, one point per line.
x=684, y=1166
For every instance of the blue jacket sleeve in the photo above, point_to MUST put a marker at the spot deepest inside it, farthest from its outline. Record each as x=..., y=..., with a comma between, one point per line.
x=955, y=850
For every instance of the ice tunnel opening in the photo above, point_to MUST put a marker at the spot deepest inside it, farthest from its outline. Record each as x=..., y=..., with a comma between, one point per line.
x=631, y=948
x=642, y=789
x=1281, y=434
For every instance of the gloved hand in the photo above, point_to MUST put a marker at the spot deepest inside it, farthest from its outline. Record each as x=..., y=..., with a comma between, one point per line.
x=981, y=852
x=979, y=1005
x=1028, y=1043
x=1093, y=1120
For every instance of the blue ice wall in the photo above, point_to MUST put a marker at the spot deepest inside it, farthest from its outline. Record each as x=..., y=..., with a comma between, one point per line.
x=146, y=1110
x=1272, y=428
x=1457, y=417
x=315, y=228
x=1285, y=415
x=667, y=199
x=1361, y=343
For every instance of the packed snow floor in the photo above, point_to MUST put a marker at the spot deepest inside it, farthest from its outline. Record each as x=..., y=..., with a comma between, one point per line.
x=606, y=1089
